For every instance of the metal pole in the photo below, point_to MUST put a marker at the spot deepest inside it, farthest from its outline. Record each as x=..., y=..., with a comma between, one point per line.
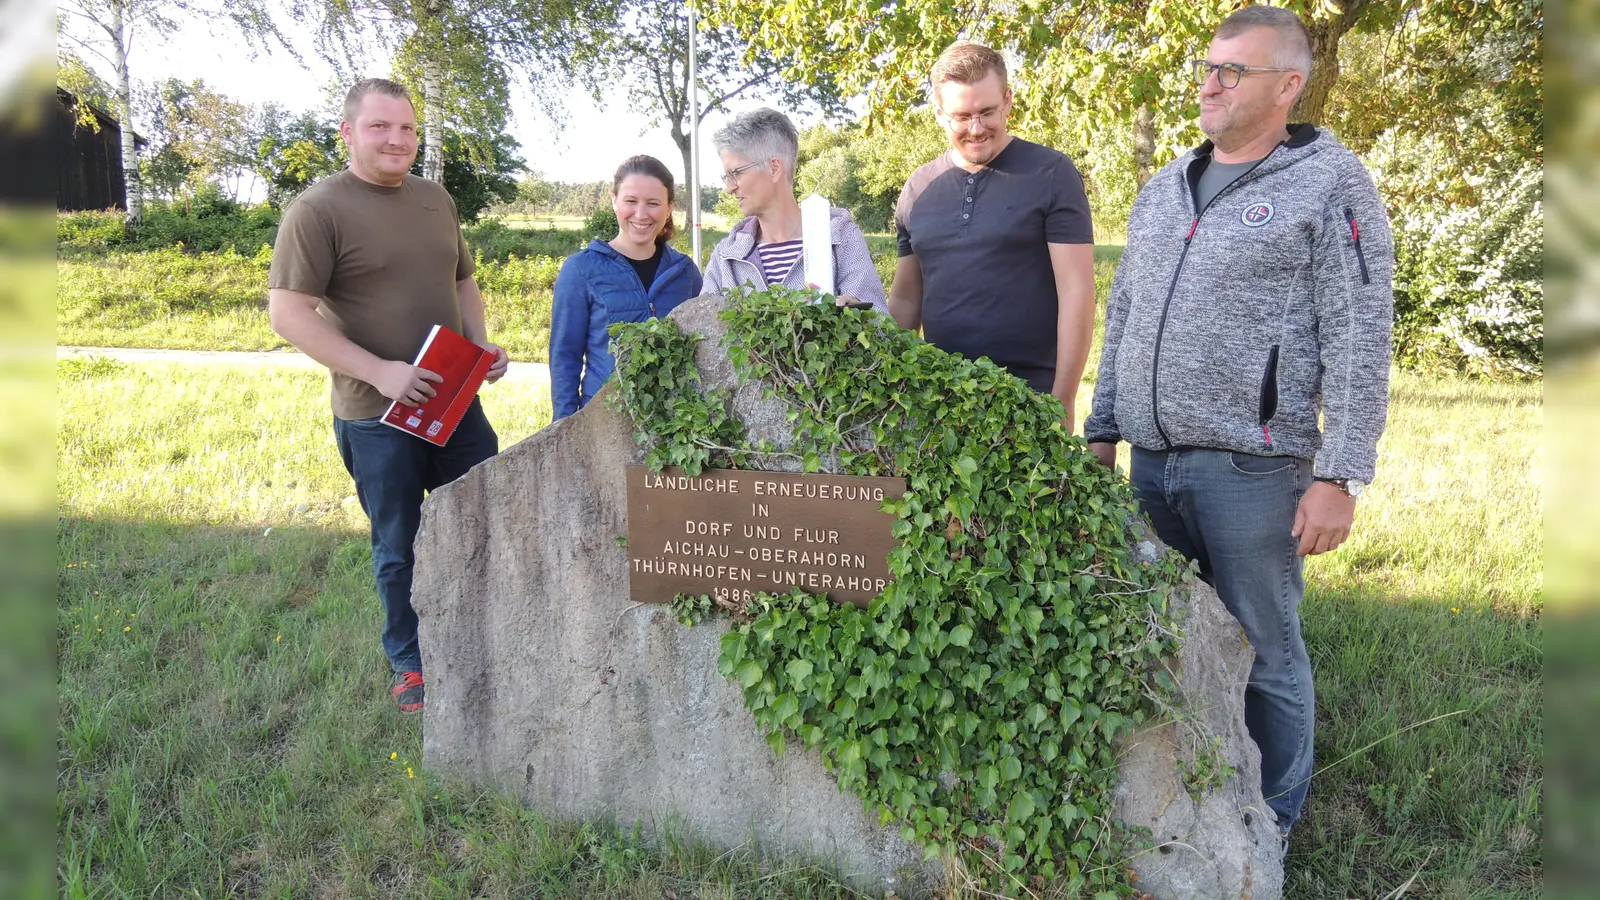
x=694, y=142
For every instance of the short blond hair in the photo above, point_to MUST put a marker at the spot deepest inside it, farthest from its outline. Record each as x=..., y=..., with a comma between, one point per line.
x=966, y=62
x=352, y=100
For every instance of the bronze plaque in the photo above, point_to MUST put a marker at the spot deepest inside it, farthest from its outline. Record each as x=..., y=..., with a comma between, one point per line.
x=733, y=534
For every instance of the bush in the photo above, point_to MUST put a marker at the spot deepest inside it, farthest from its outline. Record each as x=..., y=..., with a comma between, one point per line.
x=728, y=208
x=517, y=294
x=833, y=174
x=205, y=225
x=601, y=225
x=90, y=232
x=517, y=274
x=496, y=241
x=1468, y=285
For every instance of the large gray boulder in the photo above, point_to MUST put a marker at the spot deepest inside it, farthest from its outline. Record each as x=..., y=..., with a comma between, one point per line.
x=544, y=679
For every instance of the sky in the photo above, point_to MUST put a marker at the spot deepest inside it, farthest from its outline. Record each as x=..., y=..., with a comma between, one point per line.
x=588, y=147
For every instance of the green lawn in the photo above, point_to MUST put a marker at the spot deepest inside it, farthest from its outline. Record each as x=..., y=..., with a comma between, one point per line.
x=225, y=728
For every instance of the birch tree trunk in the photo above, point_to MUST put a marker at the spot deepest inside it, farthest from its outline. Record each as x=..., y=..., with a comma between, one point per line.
x=132, y=197
x=433, y=117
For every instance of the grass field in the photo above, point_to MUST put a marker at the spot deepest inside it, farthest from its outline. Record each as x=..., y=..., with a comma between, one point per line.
x=225, y=728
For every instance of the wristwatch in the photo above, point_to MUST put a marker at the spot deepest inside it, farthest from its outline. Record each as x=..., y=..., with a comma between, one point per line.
x=1352, y=487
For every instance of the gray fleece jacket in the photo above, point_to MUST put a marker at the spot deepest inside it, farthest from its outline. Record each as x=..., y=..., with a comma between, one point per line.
x=1232, y=327
x=735, y=261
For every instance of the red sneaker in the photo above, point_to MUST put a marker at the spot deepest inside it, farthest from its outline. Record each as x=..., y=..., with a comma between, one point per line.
x=408, y=691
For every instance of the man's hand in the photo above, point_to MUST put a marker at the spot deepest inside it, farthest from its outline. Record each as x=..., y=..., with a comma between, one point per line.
x=1106, y=453
x=501, y=361
x=404, y=383
x=1324, y=518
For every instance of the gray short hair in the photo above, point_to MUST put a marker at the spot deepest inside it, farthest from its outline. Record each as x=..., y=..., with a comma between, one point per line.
x=1291, y=50
x=760, y=135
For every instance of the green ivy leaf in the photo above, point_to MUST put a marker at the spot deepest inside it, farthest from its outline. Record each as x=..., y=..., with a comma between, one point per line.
x=1010, y=768
x=799, y=670
x=1021, y=807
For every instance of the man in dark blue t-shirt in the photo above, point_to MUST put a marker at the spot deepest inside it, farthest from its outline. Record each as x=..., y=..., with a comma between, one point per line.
x=996, y=245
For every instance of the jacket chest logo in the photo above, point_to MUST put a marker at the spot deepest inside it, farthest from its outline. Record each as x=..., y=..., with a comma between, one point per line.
x=1256, y=214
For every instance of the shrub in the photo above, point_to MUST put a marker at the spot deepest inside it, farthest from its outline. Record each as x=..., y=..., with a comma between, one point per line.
x=517, y=294
x=205, y=225
x=497, y=241
x=1469, y=263
x=517, y=274
x=90, y=232
x=833, y=174
x=601, y=225
x=728, y=208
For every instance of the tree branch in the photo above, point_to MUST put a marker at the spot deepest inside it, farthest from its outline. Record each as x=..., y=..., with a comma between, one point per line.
x=735, y=92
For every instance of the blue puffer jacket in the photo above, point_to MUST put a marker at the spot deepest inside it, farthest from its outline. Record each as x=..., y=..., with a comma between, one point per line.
x=598, y=287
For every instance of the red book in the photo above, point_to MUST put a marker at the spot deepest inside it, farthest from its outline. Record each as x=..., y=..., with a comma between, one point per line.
x=462, y=364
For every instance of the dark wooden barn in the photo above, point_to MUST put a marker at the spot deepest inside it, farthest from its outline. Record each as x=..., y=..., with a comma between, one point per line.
x=88, y=162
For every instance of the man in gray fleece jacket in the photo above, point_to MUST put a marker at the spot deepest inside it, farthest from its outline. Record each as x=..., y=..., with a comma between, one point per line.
x=1255, y=292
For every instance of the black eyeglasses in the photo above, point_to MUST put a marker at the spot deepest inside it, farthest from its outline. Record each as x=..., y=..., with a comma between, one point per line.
x=1228, y=74
x=732, y=175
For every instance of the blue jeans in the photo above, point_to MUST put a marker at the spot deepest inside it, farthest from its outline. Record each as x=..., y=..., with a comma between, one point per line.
x=392, y=471
x=1233, y=513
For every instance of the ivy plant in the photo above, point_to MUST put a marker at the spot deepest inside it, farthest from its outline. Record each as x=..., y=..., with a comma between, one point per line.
x=978, y=701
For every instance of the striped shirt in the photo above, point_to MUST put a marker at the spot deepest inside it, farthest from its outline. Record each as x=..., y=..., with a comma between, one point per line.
x=777, y=259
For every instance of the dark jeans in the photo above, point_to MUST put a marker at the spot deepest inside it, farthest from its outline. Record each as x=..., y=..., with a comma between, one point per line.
x=1233, y=513
x=392, y=471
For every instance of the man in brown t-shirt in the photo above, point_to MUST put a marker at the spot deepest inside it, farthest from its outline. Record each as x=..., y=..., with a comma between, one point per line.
x=366, y=263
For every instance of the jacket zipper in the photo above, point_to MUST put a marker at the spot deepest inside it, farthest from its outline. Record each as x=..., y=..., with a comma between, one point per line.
x=1269, y=395
x=1355, y=237
x=1161, y=327
x=649, y=292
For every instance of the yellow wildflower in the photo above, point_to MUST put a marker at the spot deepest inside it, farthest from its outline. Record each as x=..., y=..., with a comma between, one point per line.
x=127, y=628
x=409, y=773
x=394, y=756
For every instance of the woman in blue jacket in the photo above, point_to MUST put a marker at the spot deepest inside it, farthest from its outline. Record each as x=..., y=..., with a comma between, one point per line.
x=633, y=277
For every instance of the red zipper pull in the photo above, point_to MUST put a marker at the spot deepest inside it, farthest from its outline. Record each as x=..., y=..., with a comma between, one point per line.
x=1192, y=227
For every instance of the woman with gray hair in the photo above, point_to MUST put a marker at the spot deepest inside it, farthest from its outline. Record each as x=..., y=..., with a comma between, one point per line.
x=759, y=150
